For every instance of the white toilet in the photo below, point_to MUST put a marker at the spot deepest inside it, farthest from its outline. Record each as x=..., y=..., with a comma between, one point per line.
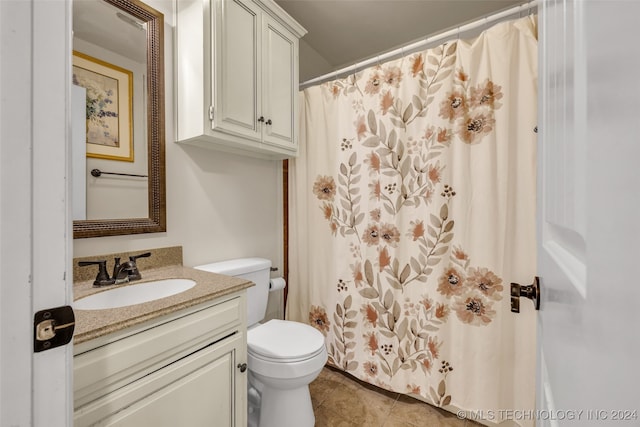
x=283, y=356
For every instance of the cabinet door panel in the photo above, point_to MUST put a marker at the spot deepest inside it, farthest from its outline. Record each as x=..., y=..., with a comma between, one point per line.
x=109, y=367
x=199, y=390
x=236, y=91
x=280, y=83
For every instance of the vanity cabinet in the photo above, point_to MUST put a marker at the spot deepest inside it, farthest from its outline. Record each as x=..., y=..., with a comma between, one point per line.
x=237, y=76
x=187, y=368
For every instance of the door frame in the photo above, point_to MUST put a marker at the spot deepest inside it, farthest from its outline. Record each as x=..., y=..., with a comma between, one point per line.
x=35, y=226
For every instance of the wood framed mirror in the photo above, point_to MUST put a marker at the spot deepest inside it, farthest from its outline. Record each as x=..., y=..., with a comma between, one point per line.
x=148, y=117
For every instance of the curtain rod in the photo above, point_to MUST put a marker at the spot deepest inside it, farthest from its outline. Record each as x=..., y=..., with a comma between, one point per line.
x=418, y=45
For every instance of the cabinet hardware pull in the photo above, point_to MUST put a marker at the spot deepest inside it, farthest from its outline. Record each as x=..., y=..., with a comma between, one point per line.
x=261, y=119
x=269, y=122
x=242, y=367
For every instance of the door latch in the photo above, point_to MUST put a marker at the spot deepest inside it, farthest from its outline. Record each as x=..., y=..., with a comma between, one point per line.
x=53, y=328
x=531, y=291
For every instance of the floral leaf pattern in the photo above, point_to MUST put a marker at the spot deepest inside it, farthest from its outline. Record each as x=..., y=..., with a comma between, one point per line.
x=403, y=177
x=405, y=271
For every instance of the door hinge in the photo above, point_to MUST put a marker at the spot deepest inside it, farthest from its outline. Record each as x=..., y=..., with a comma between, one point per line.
x=211, y=111
x=52, y=328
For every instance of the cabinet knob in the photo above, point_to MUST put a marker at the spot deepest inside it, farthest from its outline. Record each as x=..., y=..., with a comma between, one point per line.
x=269, y=122
x=261, y=119
x=242, y=367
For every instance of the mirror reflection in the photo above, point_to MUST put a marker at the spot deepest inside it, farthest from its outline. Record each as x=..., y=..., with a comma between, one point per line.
x=118, y=118
x=110, y=72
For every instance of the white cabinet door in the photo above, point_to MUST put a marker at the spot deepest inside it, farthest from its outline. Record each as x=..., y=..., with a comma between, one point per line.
x=236, y=61
x=237, y=76
x=203, y=389
x=280, y=84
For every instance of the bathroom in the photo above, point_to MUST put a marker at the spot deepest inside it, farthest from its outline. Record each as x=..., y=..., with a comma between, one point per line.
x=211, y=211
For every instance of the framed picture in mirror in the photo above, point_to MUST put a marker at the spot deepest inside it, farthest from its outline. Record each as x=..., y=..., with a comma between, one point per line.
x=109, y=107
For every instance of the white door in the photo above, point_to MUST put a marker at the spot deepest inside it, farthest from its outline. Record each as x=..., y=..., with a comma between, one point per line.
x=35, y=229
x=588, y=223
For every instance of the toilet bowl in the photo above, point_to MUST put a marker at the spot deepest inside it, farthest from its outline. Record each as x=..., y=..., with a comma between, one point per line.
x=283, y=356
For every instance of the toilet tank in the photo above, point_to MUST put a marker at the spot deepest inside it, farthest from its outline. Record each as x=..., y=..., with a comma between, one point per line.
x=254, y=269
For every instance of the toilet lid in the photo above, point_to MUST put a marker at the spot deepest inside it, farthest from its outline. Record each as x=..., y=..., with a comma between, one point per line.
x=284, y=339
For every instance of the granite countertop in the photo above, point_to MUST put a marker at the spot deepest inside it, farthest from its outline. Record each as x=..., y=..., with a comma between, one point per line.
x=91, y=324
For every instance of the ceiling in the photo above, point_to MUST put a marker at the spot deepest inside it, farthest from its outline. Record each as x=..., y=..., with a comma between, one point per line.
x=343, y=32
x=109, y=27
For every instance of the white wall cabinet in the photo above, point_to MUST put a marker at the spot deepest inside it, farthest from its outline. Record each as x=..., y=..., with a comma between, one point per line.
x=237, y=76
x=183, y=369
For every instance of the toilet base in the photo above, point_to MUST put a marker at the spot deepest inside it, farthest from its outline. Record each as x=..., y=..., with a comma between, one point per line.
x=295, y=403
x=279, y=391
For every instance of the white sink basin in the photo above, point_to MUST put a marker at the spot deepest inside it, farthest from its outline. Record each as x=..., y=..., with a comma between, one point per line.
x=134, y=294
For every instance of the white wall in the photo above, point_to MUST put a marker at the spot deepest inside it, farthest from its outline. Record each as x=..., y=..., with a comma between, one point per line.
x=219, y=205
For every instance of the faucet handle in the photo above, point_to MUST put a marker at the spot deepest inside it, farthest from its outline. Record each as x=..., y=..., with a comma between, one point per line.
x=135, y=257
x=102, y=277
x=134, y=274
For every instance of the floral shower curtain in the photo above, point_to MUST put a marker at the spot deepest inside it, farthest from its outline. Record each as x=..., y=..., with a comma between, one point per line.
x=412, y=208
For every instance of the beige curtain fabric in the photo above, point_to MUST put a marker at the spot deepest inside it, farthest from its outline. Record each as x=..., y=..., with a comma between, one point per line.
x=412, y=208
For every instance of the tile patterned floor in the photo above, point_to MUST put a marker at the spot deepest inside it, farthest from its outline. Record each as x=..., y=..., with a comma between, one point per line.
x=340, y=400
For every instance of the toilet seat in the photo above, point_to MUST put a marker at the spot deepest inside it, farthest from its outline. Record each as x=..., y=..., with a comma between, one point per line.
x=285, y=349
x=260, y=356
x=284, y=341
